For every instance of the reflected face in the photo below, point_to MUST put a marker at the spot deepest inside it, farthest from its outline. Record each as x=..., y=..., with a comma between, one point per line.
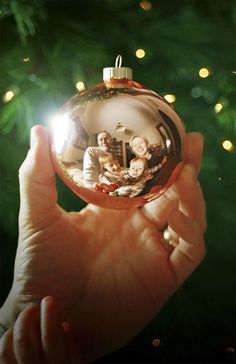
x=139, y=146
x=104, y=141
x=112, y=166
x=136, y=169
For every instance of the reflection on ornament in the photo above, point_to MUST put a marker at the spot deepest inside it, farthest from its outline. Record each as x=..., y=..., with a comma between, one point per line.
x=118, y=144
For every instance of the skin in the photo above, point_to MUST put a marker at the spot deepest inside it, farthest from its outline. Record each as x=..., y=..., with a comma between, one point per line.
x=108, y=270
x=137, y=169
x=139, y=146
x=104, y=141
x=113, y=166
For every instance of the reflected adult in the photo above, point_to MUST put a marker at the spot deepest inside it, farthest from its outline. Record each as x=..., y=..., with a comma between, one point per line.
x=140, y=147
x=91, y=165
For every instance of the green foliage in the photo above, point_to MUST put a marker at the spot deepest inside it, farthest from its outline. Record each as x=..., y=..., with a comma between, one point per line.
x=24, y=13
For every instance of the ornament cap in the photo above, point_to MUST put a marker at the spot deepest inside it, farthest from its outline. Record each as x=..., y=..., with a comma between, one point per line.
x=117, y=72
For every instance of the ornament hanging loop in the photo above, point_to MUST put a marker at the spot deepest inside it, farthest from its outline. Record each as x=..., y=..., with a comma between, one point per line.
x=118, y=72
x=118, y=61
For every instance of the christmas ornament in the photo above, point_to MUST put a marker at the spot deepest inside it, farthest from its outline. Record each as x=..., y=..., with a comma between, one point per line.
x=118, y=144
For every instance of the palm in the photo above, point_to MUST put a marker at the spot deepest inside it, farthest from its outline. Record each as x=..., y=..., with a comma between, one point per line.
x=126, y=261
x=108, y=269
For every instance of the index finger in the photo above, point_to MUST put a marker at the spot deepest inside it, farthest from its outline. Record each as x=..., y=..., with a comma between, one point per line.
x=191, y=199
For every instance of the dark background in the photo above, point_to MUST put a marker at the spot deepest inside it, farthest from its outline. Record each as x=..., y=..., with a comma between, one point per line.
x=68, y=41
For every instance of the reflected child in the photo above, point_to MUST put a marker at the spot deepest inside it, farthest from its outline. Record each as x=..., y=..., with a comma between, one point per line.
x=133, y=180
x=120, y=181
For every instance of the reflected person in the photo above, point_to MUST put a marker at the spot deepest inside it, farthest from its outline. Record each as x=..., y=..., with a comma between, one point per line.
x=91, y=165
x=156, y=159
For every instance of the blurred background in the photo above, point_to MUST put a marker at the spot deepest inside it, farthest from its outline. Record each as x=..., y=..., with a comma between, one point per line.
x=183, y=49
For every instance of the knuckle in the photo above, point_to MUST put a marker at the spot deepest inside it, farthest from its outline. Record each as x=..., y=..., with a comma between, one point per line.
x=20, y=338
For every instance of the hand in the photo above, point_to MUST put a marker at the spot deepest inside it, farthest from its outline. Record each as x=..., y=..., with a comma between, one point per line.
x=105, y=187
x=108, y=269
x=39, y=336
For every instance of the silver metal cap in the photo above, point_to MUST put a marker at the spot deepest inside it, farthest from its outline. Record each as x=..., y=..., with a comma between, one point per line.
x=117, y=72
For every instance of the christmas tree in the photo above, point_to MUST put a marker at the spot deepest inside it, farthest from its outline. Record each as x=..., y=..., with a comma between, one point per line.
x=184, y=50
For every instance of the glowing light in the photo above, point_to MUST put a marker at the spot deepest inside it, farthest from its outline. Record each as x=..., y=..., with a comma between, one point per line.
x=8, y=96
x=218, y=107
x=170, y=98
x=26, y=59
x=80, y=86
x=61, y=130
x=227, y=145
x=140, y=53
x=156, y=342
x=145, y=5
x=204, y=72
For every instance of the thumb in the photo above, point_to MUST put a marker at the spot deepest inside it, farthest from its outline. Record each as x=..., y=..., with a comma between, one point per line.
x=38, y=195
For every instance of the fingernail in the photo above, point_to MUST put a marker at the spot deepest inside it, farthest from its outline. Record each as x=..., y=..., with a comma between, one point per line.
x=47, y=300
x=32, y=138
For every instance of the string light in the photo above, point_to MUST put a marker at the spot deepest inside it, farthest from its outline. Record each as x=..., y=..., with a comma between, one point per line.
x=170, y=98
x=156, y=342
x=145, y=5
x=140, y=53
x=204, y=72
x=218, y=107
x=80, y=86
x=227, y=145
x=8, y=96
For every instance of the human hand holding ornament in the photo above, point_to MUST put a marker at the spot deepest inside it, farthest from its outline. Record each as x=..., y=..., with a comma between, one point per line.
x=109, y=270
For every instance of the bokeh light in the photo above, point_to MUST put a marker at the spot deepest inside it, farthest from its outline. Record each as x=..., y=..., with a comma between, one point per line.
x=80, y=86
x=204, y=72
x=145, y=5
x=8, y=96
x=218, y=107
x=140, y=53
x=156, y=342
x=228, y=145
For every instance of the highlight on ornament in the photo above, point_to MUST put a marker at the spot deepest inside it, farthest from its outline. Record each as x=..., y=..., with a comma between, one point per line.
x=118, y=144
